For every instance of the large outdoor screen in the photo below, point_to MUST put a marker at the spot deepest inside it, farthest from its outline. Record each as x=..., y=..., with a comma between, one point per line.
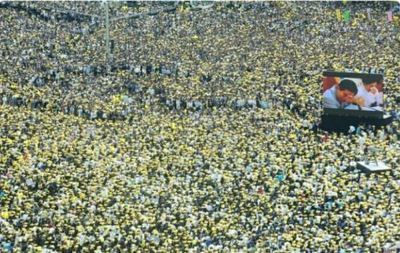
x=352, y=91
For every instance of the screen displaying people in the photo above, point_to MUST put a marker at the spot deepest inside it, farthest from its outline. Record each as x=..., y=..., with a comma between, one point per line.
x=351, y=91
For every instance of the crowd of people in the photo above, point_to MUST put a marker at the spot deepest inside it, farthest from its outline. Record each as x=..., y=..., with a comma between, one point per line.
x=200, y=134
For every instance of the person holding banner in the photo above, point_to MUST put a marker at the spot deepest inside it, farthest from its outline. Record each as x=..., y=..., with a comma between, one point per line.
x=390, y=16
x=346, y=16
x=338, y=14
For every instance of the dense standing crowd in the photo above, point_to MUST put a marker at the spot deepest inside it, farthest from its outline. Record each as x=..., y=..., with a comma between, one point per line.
x=201, y=135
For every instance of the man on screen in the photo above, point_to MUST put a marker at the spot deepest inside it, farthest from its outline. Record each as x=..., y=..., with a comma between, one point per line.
x=340, y=96
x=368, y=94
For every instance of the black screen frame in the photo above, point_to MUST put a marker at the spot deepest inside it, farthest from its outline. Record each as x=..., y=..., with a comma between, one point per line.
x=352, y=113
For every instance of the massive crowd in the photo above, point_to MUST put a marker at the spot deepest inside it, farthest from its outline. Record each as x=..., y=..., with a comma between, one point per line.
x=201, y=136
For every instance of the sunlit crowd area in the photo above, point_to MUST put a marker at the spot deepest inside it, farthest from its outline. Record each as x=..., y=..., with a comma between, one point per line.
x=198, y=132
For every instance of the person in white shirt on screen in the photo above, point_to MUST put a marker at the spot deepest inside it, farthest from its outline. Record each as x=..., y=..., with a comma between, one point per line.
x=341, y=96
x=368, y=94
